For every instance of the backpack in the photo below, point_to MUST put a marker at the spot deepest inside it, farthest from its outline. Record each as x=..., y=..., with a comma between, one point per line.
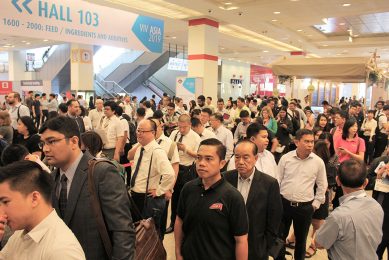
x=132, y=134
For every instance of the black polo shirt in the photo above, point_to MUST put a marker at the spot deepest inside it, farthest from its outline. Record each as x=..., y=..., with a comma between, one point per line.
x=211, y=219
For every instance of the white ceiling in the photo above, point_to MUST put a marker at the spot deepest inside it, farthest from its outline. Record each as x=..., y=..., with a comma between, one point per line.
x=294, y=25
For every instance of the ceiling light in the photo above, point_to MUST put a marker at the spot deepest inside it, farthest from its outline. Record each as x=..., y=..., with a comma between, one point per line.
x=356, y=35
x=299, y=30
x=325, y=45
x=276, y=12
x=342, y=24
x=159, y=7
x=251, y=36
x=325, y=20
x=6, y=46
x=228, y=8
x=23, y=41
x=222, y=48
x=309, y=35
x=174, y=37
x=45, y=40
x=346, y=5
x=274, y=20
x=228, y=3
x=265, y=51
x=28, y=43
x=294, y=0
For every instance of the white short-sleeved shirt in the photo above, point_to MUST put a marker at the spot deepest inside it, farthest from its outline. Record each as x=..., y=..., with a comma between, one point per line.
x=51, y=239
x=125, y=127
x=165, y=143
x=192, y=142
x=13, y=111
x=113, y=128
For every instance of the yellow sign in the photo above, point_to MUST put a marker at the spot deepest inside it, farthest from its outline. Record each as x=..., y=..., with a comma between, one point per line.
x=311, y=89
x=276, y=92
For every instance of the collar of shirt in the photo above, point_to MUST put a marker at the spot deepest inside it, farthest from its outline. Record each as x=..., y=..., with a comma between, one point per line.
x=38, y=232
x=72, y=169
x=249, y=179
x=310, y=156
x=352, y=195
x=213, y=186
x=150, y=145
x=163, y=137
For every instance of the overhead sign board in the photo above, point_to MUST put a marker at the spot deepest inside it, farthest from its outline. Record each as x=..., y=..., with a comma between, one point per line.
x=177, y=64
x=81, y=22
x=29, y=83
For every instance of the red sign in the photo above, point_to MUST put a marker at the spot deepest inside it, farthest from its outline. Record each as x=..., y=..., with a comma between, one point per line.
x=297, y=53
x=5, y=87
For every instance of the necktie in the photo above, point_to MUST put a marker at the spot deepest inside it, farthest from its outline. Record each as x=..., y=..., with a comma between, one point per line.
x=63, y=195
x=137, y=167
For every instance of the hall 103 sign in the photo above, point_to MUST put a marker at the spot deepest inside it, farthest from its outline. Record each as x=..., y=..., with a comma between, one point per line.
x=81, y=22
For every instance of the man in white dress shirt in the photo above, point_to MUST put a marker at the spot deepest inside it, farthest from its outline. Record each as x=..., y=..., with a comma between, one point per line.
x=265, y=163
x=222, y=134
x=152, y=174
x=199, y=128
x=188, y=143
x=96, y=114
x=25, y=204
x=298, y=172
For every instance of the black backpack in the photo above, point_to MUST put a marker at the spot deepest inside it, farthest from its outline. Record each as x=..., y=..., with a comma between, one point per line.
x=132, y=134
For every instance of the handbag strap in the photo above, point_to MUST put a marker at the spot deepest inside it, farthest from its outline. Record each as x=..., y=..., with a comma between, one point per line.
x=96, y=207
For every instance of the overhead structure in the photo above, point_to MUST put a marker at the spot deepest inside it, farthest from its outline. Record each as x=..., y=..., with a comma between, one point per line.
x=334, y=69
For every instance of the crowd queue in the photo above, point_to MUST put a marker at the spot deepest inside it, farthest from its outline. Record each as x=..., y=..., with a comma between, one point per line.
x=236, y=173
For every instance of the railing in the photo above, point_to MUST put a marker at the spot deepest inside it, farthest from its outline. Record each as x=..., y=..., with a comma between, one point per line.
x=161, y=86
x=113, y=85
x=109, y=93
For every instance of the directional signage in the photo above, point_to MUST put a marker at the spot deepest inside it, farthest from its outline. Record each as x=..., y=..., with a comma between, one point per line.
x=80, y=22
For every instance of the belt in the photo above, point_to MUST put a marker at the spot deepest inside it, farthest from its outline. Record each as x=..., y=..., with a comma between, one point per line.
x=296, y=204
x=136, y=194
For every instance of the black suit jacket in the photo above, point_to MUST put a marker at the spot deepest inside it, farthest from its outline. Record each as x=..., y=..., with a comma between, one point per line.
x=115, y=206
x=264, y=209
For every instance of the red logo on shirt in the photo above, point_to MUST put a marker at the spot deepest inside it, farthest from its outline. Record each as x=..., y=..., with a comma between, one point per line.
x=218, y=206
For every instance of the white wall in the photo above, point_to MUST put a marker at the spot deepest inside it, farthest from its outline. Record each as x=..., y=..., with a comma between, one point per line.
x=230, y=68
x=3, y=76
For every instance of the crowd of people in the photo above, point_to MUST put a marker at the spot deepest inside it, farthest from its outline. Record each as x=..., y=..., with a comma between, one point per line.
x=237, y=173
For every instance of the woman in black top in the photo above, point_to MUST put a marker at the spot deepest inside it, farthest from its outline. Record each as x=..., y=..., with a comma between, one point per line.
x=285, y=128
x=323, y=123
x=28, y=135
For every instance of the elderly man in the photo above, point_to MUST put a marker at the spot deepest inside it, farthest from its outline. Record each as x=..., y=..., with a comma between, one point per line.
x=96, y=114
x=262, y=197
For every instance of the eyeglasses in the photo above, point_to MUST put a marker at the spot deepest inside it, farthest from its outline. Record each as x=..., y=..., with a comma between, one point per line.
x=50, y=142
x=143, y=131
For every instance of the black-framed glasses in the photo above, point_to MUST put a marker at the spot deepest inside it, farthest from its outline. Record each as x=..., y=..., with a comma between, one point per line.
x=143, y=131
x=50, y=142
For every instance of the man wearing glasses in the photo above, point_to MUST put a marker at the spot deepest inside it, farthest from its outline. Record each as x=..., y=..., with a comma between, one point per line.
x=152, y=176
x=188, y=143
x=60, y=139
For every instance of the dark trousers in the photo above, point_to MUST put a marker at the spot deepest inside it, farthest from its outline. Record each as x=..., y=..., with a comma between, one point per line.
x=164, y=220
x=301, y=215
x=381, y=249
x=37, y=120
x=45, y=115
x=369, y=154
x=149, y=208
x=182, y=178
x=380, y=144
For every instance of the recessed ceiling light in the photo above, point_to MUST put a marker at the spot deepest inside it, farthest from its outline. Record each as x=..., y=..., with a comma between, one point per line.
x=6, y=46
x=342, y=24
x=325, y=45
x=274, y=20
x=28, y=43
x=294, y=0
x=23, y=41
x=299, y=30
x=265, y=51
x=356, y=35
x=45, y=40
x=276, y=12
x=346, y=5
x=222, y=48
x=309, y=35
x=174, y=37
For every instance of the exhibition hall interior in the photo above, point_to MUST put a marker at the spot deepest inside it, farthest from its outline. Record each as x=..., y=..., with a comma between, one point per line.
x=314, y=54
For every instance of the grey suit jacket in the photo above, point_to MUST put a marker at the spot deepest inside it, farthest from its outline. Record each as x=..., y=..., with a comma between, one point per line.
x=264, y=209
x=115, y=206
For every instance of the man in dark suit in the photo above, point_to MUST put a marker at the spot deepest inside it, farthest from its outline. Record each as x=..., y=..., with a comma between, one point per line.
x=60, y=140
x=74, y=111
x=261, y=193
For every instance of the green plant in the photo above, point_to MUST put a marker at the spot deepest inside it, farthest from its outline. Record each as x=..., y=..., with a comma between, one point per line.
x=283, y=78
